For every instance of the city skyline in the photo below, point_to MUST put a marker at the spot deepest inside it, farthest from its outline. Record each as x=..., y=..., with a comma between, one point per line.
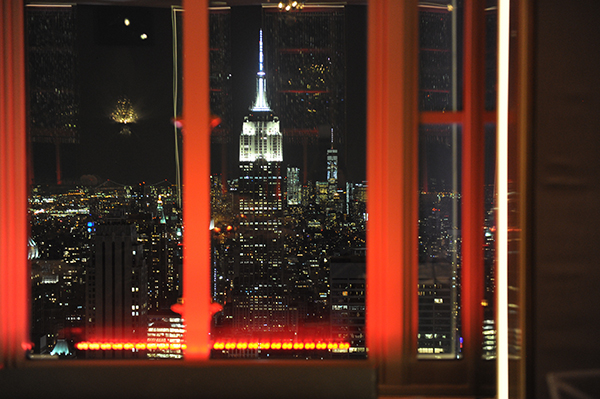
x=272, y=257
x=113, y=64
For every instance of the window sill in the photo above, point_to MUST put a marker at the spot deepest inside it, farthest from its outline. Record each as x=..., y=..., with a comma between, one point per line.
x=178, y=379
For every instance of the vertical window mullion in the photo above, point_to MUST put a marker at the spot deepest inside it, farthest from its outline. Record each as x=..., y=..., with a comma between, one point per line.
x=392, y=158
x=472, y=200
x=14, y=276
x=196, y=180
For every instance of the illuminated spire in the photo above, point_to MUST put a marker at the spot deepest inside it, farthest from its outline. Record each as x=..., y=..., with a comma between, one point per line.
x=261, y=104
x=332, y=138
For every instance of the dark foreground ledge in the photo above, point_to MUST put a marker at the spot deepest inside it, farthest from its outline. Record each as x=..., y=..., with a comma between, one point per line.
x=178, y=379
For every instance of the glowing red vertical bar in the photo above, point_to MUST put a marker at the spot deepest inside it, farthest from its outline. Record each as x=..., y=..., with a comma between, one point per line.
x=392, y=157
x=472, y=286
x=14, y=287
x=196, y=179
x=376, y=237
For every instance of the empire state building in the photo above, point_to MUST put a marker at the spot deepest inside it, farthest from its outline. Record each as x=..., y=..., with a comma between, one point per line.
x=260, y=292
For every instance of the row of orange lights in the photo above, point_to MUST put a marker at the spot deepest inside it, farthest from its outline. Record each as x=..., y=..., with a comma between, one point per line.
x=128, y=346
x=219, y=345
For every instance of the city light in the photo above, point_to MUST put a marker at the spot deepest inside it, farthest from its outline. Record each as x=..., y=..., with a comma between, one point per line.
x=124, y=113
x=320, y=345
x=290, y=5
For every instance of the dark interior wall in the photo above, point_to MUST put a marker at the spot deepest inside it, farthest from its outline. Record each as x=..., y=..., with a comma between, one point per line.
x=566, y=183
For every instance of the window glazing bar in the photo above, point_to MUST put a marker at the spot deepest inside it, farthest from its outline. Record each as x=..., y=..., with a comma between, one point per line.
x=392, y=166
x=196, y=180
x=14, y=271
x=472, y=284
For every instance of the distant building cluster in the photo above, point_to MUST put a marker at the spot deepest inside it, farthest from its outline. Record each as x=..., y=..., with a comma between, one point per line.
x=109, y=263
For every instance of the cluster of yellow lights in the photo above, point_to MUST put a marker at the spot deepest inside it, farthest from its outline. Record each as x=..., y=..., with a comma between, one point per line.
x=291, y=5
x=124, y=112
x=219, y=345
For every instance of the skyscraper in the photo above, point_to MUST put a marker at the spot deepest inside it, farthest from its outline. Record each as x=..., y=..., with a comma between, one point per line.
x=259, y=296
x=332, y=170
x=294, y=187
x=117, y=287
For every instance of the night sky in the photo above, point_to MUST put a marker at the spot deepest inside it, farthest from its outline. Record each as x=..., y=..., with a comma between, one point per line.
x=113, y=62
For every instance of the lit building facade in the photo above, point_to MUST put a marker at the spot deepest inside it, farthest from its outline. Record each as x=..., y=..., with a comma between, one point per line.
x=438, y=329
x=164, y=261
x=347, y=277
x=260, y=301
x=167, y=331
x=294, y=189
x=332, y=172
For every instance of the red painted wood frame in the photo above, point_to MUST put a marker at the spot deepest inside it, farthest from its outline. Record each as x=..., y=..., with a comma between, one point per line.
x=196, y=180
x=392, y=162
x=14, y=276
x=393, y=122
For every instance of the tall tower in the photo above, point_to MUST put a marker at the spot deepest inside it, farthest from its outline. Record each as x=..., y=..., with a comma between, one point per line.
x=259, y=295
x=332, y=170
x=294, y=188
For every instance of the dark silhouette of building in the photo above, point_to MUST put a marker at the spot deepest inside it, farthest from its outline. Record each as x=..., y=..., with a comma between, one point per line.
x=348, y=286
x=117, y=287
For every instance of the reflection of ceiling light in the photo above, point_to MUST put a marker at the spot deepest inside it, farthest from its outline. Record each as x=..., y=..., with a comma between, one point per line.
x=126, y=22
x=290, y=5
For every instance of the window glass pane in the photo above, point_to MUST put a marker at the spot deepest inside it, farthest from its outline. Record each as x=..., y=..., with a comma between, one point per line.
x=440, y=49
x=288, y=189
x=489, y=302
x=489, y=252
x=288, y=247
x=439, y=334
x=105, y=219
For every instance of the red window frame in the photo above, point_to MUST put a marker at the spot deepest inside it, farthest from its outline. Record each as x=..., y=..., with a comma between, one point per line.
x=392, y=159
x=393, y=203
